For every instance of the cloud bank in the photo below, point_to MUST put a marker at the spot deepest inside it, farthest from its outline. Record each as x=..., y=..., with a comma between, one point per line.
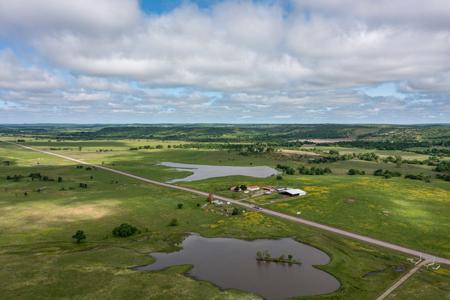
x=296, y=61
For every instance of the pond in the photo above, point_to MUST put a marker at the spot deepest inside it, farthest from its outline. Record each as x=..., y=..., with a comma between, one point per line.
x=231, y=263
x=206, y=171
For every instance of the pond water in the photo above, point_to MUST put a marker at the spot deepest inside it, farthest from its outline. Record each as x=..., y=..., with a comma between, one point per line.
x=206, y=171
x=231, y=263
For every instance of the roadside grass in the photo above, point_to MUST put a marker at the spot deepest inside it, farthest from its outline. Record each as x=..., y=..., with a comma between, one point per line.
x=425, y=284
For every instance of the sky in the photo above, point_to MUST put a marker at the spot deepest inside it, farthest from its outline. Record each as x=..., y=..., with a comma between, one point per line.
x=225, y=61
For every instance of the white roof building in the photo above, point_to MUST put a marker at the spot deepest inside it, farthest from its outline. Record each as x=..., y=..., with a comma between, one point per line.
x=293, y=192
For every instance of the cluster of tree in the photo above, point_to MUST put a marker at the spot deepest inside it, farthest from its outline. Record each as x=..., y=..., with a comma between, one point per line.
x=356, y=172
x=266, y=256
x=241, y=148
x=40, y=177
x=286, y=169
x=239, y=188
x=325, y=159
x=146, y=147
x=104, y=150
x=33, y=176
x=257, y=148
x=124, y=230
x=413, y=161
x=443, y=166
x=434, y=151
x=14, y=177
x=397, y=159
x=6, y=162
x=445, y=177
x=369, y=156
x=83, y=185
x=422, y=177
x=334, y=156
x=386, y=173
x=313, y=170
x=393, y=145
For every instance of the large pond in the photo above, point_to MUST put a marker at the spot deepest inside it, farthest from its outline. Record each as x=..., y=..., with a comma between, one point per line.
x=231, y=263
x=206, y=171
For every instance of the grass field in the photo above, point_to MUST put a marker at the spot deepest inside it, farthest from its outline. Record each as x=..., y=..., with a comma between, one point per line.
x=39, y=259
x=408, y=212
x=425, y=285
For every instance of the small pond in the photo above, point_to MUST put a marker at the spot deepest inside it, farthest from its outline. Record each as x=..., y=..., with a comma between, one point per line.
x=231, y=263
x=206, y=171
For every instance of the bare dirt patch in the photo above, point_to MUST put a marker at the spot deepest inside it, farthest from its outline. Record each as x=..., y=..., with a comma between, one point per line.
x=45, y=213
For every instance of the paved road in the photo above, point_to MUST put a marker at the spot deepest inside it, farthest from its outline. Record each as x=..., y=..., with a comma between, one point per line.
x=335, y=230
x=401, y=280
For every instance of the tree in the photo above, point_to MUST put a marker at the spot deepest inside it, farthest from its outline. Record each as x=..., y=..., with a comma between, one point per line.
x=236, y=211
x=79, y=236
x=60, y=179
x=124, y=230
x=180, y=205
x=173, y=222
x=259, y=255
x=351, y=172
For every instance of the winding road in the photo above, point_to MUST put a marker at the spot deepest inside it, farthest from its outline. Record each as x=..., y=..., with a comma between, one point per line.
x=348, y=234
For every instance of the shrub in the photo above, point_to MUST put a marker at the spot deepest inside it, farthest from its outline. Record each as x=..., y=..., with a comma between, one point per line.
x=236, y=211
x=79, y=236
x=173, y=222
x=386, y=173
x=418, y=177
x=313, y=170
x=355, y=172
x=124, y=230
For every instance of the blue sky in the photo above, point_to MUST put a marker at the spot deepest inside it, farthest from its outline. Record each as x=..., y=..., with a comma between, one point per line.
x=228, y=61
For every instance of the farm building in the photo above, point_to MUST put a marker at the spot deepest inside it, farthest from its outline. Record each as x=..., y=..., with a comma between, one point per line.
x=292, y=192
x=253, y=188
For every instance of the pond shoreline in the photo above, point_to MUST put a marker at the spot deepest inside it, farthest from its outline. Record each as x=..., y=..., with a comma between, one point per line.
x=230, y=263
x=200, y=172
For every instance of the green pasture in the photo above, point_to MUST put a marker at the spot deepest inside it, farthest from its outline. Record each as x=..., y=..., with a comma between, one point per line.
x=39, y=259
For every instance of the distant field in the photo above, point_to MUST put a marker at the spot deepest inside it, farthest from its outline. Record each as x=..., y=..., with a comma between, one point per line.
x=39, y=259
